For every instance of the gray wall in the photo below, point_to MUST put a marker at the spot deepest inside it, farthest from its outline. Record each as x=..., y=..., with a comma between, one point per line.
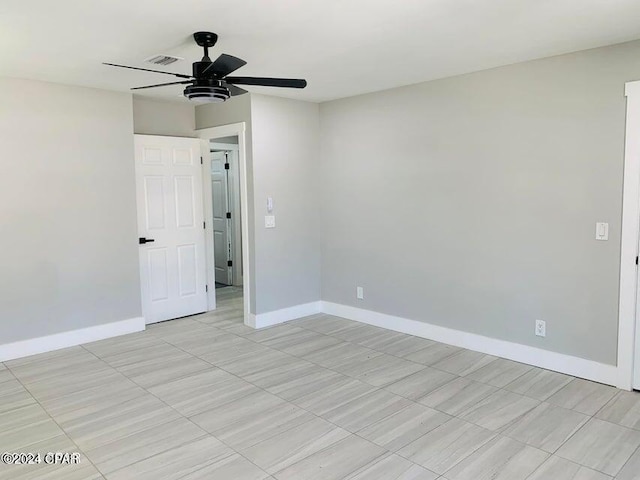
x=161, y=117
x=68, y=249
x=471, y=202
x=285, y=167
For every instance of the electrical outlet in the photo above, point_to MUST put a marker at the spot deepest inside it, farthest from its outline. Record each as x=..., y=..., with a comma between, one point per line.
x=541, y=328
x=360, y=293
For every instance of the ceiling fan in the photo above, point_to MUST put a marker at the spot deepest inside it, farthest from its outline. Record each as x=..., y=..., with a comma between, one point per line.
x=209, y=81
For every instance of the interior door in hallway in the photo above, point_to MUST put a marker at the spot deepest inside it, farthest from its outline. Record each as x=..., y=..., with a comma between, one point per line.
x=221, y=217
x=170, y=227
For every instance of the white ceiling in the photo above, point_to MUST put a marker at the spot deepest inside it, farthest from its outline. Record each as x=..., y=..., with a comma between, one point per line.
x=342, y=47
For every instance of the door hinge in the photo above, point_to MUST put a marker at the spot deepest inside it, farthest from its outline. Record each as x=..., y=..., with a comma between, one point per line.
x=206, y=288
x=226, y=166
x=201, y=161
x=204, y=225
x=229, y=263
x=636, y=260
x=228, y=214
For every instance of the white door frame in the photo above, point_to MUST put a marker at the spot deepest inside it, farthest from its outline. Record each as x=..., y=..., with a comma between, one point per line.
x=206, y=135
x=235, y=207
x=628, y=306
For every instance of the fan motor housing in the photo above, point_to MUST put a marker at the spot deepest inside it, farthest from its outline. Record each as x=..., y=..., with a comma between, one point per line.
x=207, y=91
x=203, y=70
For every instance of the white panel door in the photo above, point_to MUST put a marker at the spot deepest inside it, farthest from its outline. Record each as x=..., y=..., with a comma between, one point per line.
x=170, y=227
x=221, y=224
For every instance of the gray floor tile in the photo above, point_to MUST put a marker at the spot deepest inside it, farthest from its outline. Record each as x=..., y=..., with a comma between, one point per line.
x=392, y=467
x=458, y=396
x=500, y=459
x=464, y=362
x=24, y=426
x=433, y=353
x=255, y=428
x=322, y=323
x=360, y=333
x=539, y=384
x=43, y=471
x=258, y=361
x=546, y=427
x=301, y=342
x=500, y=372
x=583, y=396
x=117, y=421
x=623, y=409
x=334, y=395
x=122, y=344
x=246, y=407
x=276, y=332
x=366, y=410
x=602, y=446
x=286, y=448
x=280, y=374
x=335, y=462
x=631, y=469
x=233, y=467
x=187, y=459
x=14, y=395
x=203, y=391
x=150, y=372
x=86, y=402
x=380, y=370
x=143, y=444
x=403, y=427
x=234, y=350
x=343, y=353
x=499, y=410
x=204, y=342
x=316, y=380
x=556, y=468
x=447, y=445
x=420, y=384
x=399, y=344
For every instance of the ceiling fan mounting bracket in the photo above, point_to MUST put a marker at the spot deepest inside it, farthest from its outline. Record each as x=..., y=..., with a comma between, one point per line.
x=205, y=39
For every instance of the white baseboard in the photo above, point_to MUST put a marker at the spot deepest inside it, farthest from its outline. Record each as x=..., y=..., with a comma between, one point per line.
x=275, y=317
x=570, y=365
x=32, y=346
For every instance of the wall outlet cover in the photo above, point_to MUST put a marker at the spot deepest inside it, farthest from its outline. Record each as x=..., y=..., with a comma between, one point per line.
x=359, y=293
x=541, y=328
x=269, y=221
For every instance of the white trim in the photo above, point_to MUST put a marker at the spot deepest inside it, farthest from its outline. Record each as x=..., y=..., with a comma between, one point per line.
x=205, y=152
x=627, y=307
x=575, y=366
x=284, y=315
x=227, y=131
x=33, y=346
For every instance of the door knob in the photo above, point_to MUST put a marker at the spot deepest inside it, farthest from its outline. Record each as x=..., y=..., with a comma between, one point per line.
x=143, y=240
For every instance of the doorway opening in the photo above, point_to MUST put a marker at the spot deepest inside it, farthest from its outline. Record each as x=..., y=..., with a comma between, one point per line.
x=225, y=205
x=226, y=218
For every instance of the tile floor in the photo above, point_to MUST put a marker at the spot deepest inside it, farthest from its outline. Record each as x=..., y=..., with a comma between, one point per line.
x=318, y=398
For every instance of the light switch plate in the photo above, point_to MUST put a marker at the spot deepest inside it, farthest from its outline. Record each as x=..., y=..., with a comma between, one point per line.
x=269, y=221
x=602, y=231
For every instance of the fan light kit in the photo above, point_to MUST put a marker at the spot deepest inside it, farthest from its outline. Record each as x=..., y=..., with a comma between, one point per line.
x=209, y=82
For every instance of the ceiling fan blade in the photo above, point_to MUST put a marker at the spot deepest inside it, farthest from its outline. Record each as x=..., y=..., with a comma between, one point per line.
x=235, y=91
x=225, y=64
x=163, y=84
x=179, y=75
x=268, y=82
